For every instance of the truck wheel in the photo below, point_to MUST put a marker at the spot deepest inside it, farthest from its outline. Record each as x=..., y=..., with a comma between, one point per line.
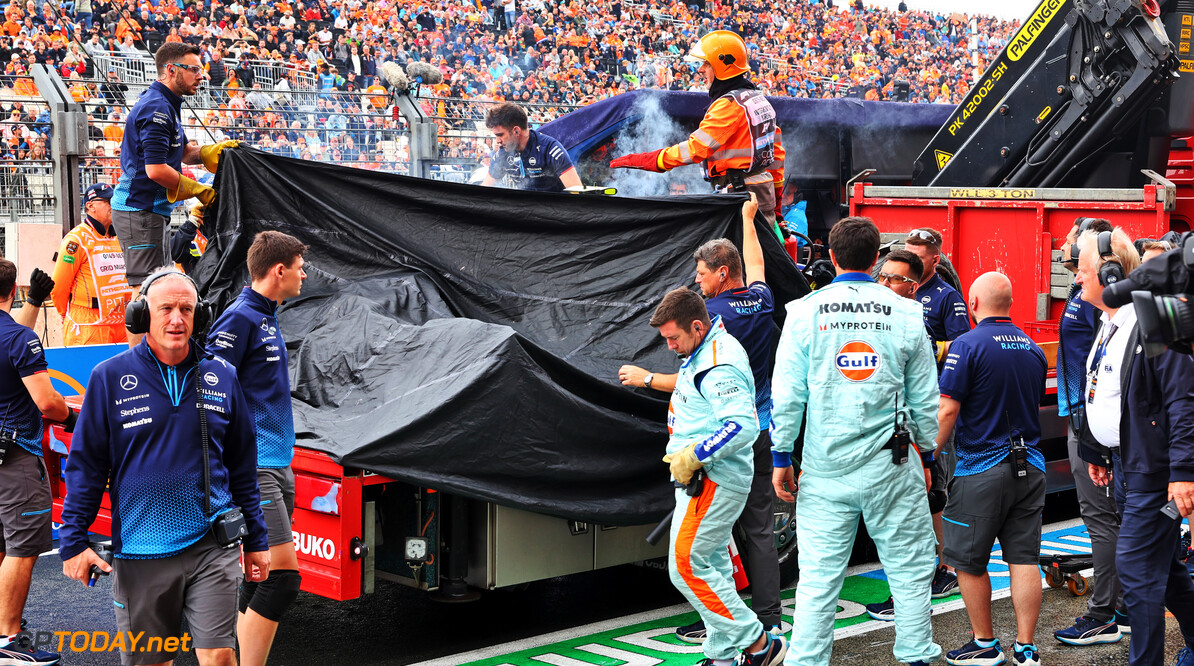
x=785, y=542
x=1078, y=585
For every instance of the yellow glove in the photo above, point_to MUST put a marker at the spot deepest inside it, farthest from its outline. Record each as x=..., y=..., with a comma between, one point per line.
x=196, y=214
x=210, y=155
x=684, y=463
x=188, y=188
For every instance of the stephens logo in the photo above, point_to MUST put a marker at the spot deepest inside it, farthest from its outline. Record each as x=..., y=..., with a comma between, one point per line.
x=857, y=361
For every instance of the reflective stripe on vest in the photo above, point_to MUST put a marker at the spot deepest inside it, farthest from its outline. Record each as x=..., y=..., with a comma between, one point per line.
x=760, y=116
x=105, y=265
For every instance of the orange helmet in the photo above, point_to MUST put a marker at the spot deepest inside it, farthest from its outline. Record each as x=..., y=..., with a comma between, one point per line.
x=724, y=51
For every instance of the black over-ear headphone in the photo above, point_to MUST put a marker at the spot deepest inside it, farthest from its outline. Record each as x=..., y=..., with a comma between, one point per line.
x=1083, y=224
x=136, y=314
x=1111, y=271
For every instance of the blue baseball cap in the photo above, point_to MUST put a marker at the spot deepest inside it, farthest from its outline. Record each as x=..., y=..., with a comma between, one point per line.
x=97, y=191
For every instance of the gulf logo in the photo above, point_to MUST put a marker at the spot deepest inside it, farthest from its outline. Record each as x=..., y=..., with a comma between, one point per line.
x=857, y=361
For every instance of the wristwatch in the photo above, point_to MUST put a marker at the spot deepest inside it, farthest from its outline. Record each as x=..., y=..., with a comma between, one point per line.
x=648, y=378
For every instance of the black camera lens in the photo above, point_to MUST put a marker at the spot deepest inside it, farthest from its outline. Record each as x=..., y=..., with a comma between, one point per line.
x=1165, y=321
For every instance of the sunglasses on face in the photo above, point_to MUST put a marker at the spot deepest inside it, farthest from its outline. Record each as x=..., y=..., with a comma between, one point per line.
x=194, y=69
x=892, y=277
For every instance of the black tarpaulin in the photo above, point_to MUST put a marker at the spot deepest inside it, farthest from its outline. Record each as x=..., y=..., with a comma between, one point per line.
x=468, y=339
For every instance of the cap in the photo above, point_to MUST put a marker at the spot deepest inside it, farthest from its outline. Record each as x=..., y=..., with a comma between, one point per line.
x=97, y=191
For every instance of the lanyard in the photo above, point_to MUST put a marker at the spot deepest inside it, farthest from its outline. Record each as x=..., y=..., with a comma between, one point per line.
x=1092, y=375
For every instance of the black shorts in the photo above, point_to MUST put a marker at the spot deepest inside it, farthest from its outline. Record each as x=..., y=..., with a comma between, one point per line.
x=142, y=236
x=277, y=502
x=25, y=505
x=154, y=596
x=989, y=505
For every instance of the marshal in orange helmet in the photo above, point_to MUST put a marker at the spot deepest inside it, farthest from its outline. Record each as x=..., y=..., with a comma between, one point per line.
x=724, y=51
x=738, y=140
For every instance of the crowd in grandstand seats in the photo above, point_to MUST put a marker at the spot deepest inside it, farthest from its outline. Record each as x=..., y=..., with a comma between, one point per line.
x=547, y=54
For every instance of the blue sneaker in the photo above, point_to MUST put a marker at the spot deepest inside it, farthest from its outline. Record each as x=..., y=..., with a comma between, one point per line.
x=18, y=650
x=1121, y=620
x=1089, y=631
x=771, y=655
x=883, y=611
x=692, y=633
x=945, y=583
x=973, y=654
x=1026, y=655
x=1184, y=658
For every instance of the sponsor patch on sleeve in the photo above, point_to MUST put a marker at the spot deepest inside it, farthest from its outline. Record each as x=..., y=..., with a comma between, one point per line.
x=72, y=247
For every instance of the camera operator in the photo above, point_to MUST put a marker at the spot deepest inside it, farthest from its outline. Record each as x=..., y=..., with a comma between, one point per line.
x=1139, y=436
x=25, y=396
x=172, y=432
x=1105, y=617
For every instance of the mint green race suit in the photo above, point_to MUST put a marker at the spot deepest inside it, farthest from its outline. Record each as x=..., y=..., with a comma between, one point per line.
x=714, y=404
x=847, y=353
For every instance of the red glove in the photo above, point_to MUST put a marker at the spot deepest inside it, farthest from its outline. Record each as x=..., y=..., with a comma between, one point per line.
x=645, y=161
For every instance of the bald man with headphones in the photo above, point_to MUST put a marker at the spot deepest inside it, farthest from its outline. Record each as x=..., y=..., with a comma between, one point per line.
x=176, y=497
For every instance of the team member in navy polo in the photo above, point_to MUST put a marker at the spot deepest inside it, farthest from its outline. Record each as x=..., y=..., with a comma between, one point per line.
x=1104, y=619
x=746, y=310
x=152, y=154
x=25, y=396
x=945, y=310
x=137, y=436
x=247, y=335
x=991, y=387
x=530, y=160
x=946, y=318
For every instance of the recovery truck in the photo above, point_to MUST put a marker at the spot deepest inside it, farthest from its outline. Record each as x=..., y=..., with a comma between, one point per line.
x=1086, y=107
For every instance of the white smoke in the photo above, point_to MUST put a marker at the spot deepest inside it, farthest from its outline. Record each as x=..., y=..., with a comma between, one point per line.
x=654, y=129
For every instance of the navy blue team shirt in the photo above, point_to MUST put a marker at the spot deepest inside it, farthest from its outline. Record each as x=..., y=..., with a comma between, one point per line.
x=153, y=134
x=1079, y=323
x=139, y=428
x=248, y=337
x=21, y=356
x=537, y=167
x=945, y=311
x=998, y=374
x=746, y=313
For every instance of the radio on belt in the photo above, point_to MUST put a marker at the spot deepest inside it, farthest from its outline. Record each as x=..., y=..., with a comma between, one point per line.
x=1019, y=453
x=8, y=439
x=901, y=439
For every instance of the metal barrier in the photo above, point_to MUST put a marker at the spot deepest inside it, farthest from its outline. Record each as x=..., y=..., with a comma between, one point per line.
x=27, y=190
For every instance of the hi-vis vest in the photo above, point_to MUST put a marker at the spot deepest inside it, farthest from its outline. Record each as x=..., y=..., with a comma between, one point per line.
x=761, y=118
x=738, y=133
x=100, y=283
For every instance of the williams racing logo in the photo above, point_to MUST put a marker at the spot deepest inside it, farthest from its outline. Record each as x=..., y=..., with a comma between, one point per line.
x=857, y=361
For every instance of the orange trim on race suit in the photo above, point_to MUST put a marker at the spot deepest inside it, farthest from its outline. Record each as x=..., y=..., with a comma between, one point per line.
x=683, y=554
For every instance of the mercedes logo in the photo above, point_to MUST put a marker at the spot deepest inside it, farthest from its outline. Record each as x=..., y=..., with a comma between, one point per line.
x=128, y=382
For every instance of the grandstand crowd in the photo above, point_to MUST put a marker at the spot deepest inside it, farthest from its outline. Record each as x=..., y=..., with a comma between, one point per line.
x=549, y=55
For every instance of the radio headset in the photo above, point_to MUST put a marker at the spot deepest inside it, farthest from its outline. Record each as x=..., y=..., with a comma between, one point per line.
x=136, y=314
x=1111, y=271
x=1083, y=224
